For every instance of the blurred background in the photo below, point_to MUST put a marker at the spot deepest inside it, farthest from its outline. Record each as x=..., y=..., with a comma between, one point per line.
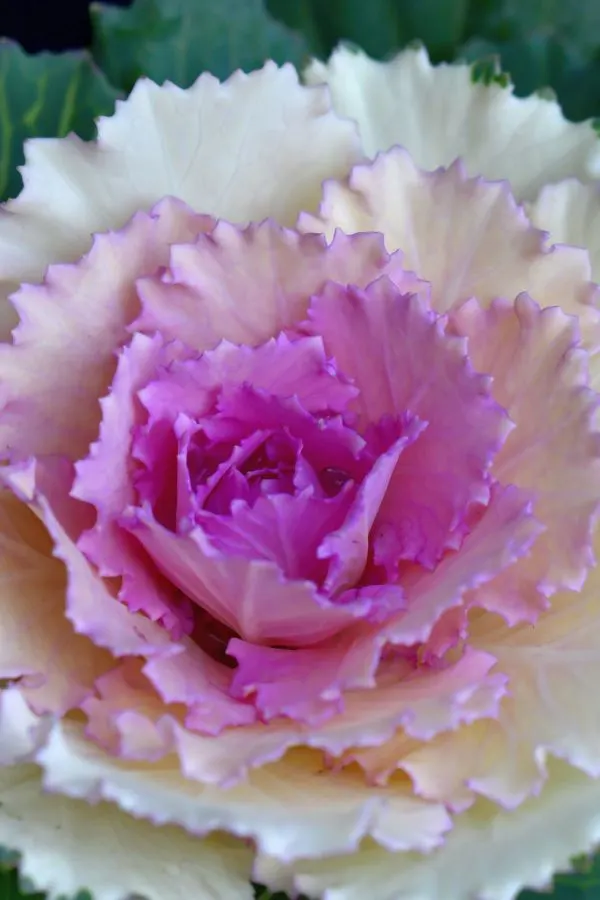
x=541, y=43
x=46, y=25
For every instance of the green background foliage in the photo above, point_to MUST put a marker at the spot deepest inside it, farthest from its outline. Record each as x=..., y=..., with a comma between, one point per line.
x=177, y=40
x=540, y=43
x=46, y=95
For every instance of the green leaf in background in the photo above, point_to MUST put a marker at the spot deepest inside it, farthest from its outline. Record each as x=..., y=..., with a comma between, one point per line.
x=546, y=61
x=10, y=888
x=542, y=43
x=380, y=27
x=176, y=40
x=299, y=15
x=46, y=95
x=372, y=25
x=576, y=23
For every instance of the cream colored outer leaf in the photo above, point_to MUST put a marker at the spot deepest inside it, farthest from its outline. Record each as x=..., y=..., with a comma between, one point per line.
x=291, y=808
x=439, y=115
x=38, y=644
x=68, y=844
x=21, y=731
x=491, y=854
x=570, y=212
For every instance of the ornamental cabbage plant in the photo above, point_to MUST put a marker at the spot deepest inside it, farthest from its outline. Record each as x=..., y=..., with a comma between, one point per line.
x=300, y=482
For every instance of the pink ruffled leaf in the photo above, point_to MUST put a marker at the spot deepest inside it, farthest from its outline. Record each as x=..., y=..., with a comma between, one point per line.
x=348, y=546
x=122, y=413
x=62, y=357
x=505, y=532
x=55, y=667
x=281, y=367
x=251, y=597
x=408, y=363
x=90, y=605
x=247, y=285
x=306, y=684
x=420, y=705
x=105, y=544
x=202, y=684
x=540, y=374
x=269, y=529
